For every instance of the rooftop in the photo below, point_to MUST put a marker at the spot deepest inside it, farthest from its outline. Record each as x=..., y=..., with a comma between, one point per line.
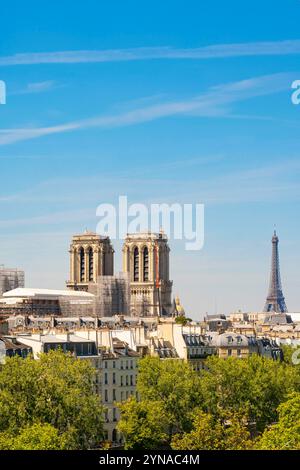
x=22, y=292
x=58, y=338
x=147, y=236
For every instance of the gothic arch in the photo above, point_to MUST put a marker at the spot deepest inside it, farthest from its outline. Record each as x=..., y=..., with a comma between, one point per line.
x=91, y=263
x=145, y=264
x=136, y=263
x=81, y=264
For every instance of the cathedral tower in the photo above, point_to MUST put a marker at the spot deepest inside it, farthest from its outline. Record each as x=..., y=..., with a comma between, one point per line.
x=146, y=259
x=91, y=255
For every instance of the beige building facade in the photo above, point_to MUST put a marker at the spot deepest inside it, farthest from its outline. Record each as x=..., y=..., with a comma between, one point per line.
x=91, y=256
x=146, y=259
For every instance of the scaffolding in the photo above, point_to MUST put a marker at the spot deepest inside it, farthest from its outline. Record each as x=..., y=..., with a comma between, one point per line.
x=11, y=278
x=112, y=295
x=74, y=306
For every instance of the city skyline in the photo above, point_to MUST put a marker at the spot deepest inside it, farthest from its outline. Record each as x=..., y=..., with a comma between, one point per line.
x=185, y=106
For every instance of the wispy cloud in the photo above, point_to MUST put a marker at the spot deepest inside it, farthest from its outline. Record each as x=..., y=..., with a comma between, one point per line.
x=211, y=103
x=36, y=87
x=39, y=87
x=147, y=53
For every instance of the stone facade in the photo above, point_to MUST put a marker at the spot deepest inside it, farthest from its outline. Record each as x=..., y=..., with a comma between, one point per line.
x=146, y=259
x=91, y=256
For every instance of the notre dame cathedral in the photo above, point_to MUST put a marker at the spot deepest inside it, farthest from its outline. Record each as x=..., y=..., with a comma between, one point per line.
x=145, y=262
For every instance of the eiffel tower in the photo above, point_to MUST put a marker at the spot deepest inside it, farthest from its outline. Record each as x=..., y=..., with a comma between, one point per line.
x=275, y=301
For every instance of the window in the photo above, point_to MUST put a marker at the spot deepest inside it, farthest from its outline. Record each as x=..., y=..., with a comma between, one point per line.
x=229, y=352
x=126, y=364
x=114, y=394
x=81, y=261
x=136, y=264
x=126, y=379
x=131, y=380
x=114, y=414
x=105, y=364
x=131, y=364
x=105, y=378
x=114, y=364
x=146, y=264
x=121, y=364
x=121, y=380
x=91, y=264
x=114, y=378
x=239, y=353
x=106, y=395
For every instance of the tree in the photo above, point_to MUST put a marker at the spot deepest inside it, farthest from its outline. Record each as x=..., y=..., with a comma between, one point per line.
x=36, y=437
x=256, y=385
x=216, y=408
x=175, y=384
x=210, y=433
x=169, y=392
x=56, y=390
x=182, y=320
x=144, y=424
x=284, y=435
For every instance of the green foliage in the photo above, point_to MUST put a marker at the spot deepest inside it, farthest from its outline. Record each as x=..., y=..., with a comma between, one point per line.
x=174, y=384
x=36, y=437
x=56, y=390
x=182, y=320
x=215, y=409
x=169, y=392
x=144, y=424
x=256, y=385
x=284, y=435
x=211, y=433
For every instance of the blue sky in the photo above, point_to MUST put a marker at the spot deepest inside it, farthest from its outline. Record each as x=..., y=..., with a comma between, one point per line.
x=163, y=102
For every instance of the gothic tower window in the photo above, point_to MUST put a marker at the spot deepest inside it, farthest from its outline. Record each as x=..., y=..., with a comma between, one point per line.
x=146, y=264
x=81, y=258
x=91, y=264
x=87, y=259
x=136, y=264
x=161, y=263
